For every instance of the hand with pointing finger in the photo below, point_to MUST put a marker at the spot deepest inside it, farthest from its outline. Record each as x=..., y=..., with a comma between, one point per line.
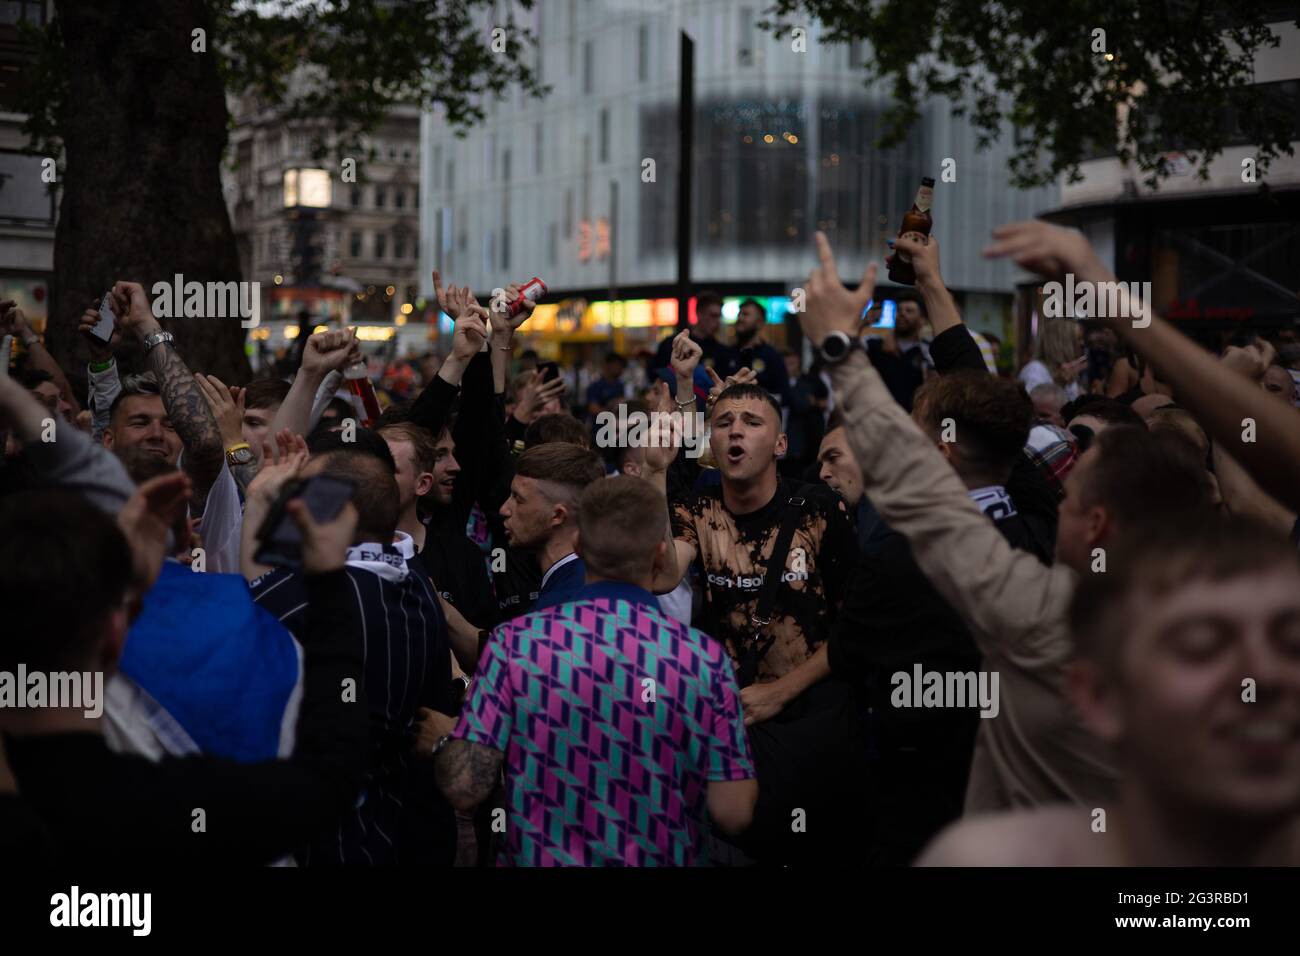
x=742, y=376
x=830, y=306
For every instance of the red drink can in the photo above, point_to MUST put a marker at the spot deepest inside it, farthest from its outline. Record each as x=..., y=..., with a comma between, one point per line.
x=531, y=291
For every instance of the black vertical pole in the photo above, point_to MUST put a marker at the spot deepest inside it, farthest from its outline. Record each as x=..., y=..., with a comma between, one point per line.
x=686, y=139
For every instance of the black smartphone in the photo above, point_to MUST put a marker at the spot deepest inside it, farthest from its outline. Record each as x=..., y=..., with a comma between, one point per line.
x=281, y=541
x=549, y=370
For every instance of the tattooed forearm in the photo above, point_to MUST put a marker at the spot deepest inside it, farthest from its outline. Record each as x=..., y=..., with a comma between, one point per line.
x=192, y=418
x=467, y=772
x=245, y=473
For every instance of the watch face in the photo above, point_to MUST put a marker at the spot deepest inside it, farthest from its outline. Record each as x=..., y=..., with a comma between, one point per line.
x=835, y=346
x=241, y=456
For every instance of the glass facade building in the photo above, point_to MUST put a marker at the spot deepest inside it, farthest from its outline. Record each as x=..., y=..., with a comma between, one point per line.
x=580, y=187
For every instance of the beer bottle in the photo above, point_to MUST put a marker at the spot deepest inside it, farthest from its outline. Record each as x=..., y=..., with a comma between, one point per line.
x=916, y=225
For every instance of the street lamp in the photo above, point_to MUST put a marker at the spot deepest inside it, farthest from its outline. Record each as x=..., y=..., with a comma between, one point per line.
x=310, y=188
x=306, y=192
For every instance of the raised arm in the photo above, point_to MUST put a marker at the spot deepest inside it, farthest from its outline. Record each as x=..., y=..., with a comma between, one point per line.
x=13, y=322
x=953, y=348
x=1241, y=495
x=1228, y=406
x=918, y=493
x=101, y=373
x=325, y=352
x=432, y=407
x=939, y=303
x=71, y=460
x=187, y=410
x=227, y=406
x=662, y=452
x=504, y=326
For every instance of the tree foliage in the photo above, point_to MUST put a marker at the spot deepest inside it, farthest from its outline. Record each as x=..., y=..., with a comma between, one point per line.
x=343, y=64
x=1180, y=71
x=131, y=96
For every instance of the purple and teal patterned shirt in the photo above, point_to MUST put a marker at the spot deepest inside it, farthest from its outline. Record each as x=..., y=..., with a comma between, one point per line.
x=613, y=718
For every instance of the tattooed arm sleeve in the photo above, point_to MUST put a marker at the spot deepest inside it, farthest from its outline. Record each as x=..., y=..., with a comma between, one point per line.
x=193, y=420
x=467, y=772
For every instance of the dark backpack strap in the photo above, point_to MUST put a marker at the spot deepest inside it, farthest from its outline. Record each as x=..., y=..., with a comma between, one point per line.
x=760, y=640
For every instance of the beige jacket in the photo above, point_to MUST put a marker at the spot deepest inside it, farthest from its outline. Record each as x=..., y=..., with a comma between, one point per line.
x=1035, y=750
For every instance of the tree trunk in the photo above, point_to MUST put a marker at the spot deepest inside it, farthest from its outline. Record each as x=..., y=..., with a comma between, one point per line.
x=143, y=137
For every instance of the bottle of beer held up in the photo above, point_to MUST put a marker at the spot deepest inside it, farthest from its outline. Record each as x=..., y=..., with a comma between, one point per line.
x=916, y=225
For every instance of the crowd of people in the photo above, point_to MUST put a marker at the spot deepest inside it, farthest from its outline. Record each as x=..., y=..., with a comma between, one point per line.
x=903, y=607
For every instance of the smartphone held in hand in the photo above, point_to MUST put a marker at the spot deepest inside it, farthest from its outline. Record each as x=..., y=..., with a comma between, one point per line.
x=279, y=537
x=104, y=328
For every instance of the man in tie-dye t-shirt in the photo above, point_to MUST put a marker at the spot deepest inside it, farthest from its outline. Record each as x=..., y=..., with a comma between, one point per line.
x=618, y=727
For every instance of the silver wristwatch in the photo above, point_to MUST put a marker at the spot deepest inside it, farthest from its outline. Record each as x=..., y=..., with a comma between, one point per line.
x=837, y=346
x=157, y=339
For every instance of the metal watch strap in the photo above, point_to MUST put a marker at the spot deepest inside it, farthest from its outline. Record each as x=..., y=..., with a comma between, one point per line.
x=157, y=339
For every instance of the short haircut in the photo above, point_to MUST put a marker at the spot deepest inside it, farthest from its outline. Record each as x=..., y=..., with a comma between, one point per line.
x=901, y=297
x=53, y=544
x=1109, y=410
x=755, y=303
x=422, y=443
x=265, y=392
x=992, y=417
x=376, y=494
x=615, y=357
x=338, y=407
x=1152, y=560
x=393, y=414
x=1140, y=476
x=835, y=419
x=556, y=427
x=366, y=441
x=143, y=383
x=1179, y=419
x=620, y=522
x=564, y=470
x=748, y=390
x=706, y=299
